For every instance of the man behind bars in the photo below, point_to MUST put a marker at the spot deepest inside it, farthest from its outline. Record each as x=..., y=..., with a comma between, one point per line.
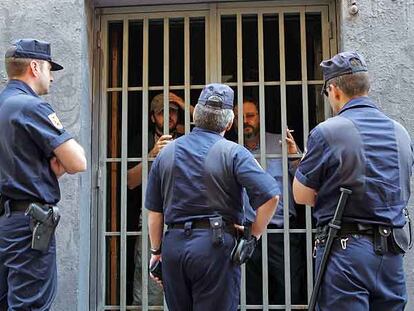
x=275, y=241
x=196, y=188
x=156, y=142
x=35, y=150
x=367, y=152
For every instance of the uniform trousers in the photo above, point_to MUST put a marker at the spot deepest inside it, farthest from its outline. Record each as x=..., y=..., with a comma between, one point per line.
x=198, y=275
x=358, y=279
x=28, y=278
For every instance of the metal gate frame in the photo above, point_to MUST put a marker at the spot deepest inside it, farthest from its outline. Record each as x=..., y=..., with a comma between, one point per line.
x=212, y=13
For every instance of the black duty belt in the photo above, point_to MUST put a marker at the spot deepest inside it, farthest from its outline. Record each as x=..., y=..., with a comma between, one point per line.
x=346, y=229
x=202, y=224
x=385, y=238
x=15, y=206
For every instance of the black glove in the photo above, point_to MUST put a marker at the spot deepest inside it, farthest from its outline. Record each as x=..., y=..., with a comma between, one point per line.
x=156, y=270
x=244, y=248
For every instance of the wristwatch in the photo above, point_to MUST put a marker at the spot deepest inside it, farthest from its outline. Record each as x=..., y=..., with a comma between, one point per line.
x=155, y=251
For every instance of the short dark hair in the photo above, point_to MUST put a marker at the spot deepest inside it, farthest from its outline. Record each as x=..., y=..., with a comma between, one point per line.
x=355, y=84
x=250, y=99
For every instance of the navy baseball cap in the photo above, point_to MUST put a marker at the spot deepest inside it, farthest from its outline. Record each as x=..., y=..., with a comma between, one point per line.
x=35, y=49
x=219, y=96
x=342, y=64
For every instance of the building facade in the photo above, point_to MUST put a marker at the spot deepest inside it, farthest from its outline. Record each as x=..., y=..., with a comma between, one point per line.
x=119, y=54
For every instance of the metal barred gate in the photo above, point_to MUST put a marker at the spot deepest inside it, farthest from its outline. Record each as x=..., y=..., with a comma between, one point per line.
x=266, y=50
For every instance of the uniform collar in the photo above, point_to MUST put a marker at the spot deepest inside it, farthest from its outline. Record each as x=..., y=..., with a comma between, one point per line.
x=363, y=101
x=23, y=86
x=200, y=129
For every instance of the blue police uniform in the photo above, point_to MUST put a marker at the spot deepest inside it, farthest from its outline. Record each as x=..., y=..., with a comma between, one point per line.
x=196, y=177
x=30, y=132
x=363, y=150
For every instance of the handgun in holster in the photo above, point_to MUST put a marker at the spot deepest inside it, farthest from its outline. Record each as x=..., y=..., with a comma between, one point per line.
x=400, y=241
x=245, y=247
x=45, y=219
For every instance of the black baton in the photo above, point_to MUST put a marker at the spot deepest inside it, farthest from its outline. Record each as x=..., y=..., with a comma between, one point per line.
x=334, y=227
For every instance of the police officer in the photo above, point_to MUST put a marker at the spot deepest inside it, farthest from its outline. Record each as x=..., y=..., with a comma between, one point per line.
x=196, y=188
x=367, y=152
x=35, y=150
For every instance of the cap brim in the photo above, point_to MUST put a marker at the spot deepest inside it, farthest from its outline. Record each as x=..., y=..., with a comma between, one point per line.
x=55, y=66
x=172, y=106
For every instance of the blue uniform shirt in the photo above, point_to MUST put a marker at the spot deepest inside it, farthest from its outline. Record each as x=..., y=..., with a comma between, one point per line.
x=364, y=150
x=275, y=168
x=201, y=175
x=30, y=132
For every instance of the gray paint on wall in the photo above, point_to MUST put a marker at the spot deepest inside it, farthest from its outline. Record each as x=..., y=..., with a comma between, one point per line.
x=383, y=31
x=63, y=24
x=85, y=140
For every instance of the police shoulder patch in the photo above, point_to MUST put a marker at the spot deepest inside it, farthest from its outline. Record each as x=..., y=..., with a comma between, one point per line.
x=55, y=121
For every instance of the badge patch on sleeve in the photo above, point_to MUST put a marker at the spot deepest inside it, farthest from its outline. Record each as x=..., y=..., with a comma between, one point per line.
x=55, y=121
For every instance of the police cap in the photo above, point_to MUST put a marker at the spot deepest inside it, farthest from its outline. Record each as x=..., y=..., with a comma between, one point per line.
x=34, y=49
x=218, y=96
x=342, y=64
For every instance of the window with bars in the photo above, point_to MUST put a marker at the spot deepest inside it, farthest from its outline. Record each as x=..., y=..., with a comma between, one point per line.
x=268, y=54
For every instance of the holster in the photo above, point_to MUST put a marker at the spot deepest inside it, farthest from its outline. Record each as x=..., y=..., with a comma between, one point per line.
x=244, y=248
x=217, y=227
x=387, y=239
x=398, y=241
x=45, y=219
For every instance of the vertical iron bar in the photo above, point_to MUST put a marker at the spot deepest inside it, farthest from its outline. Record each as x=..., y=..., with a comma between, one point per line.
x=166, y=75
x=263, y=159
x=305, y=107
x=286, y=237
x=239, y=35
x=144, y=224
x=187, y=96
